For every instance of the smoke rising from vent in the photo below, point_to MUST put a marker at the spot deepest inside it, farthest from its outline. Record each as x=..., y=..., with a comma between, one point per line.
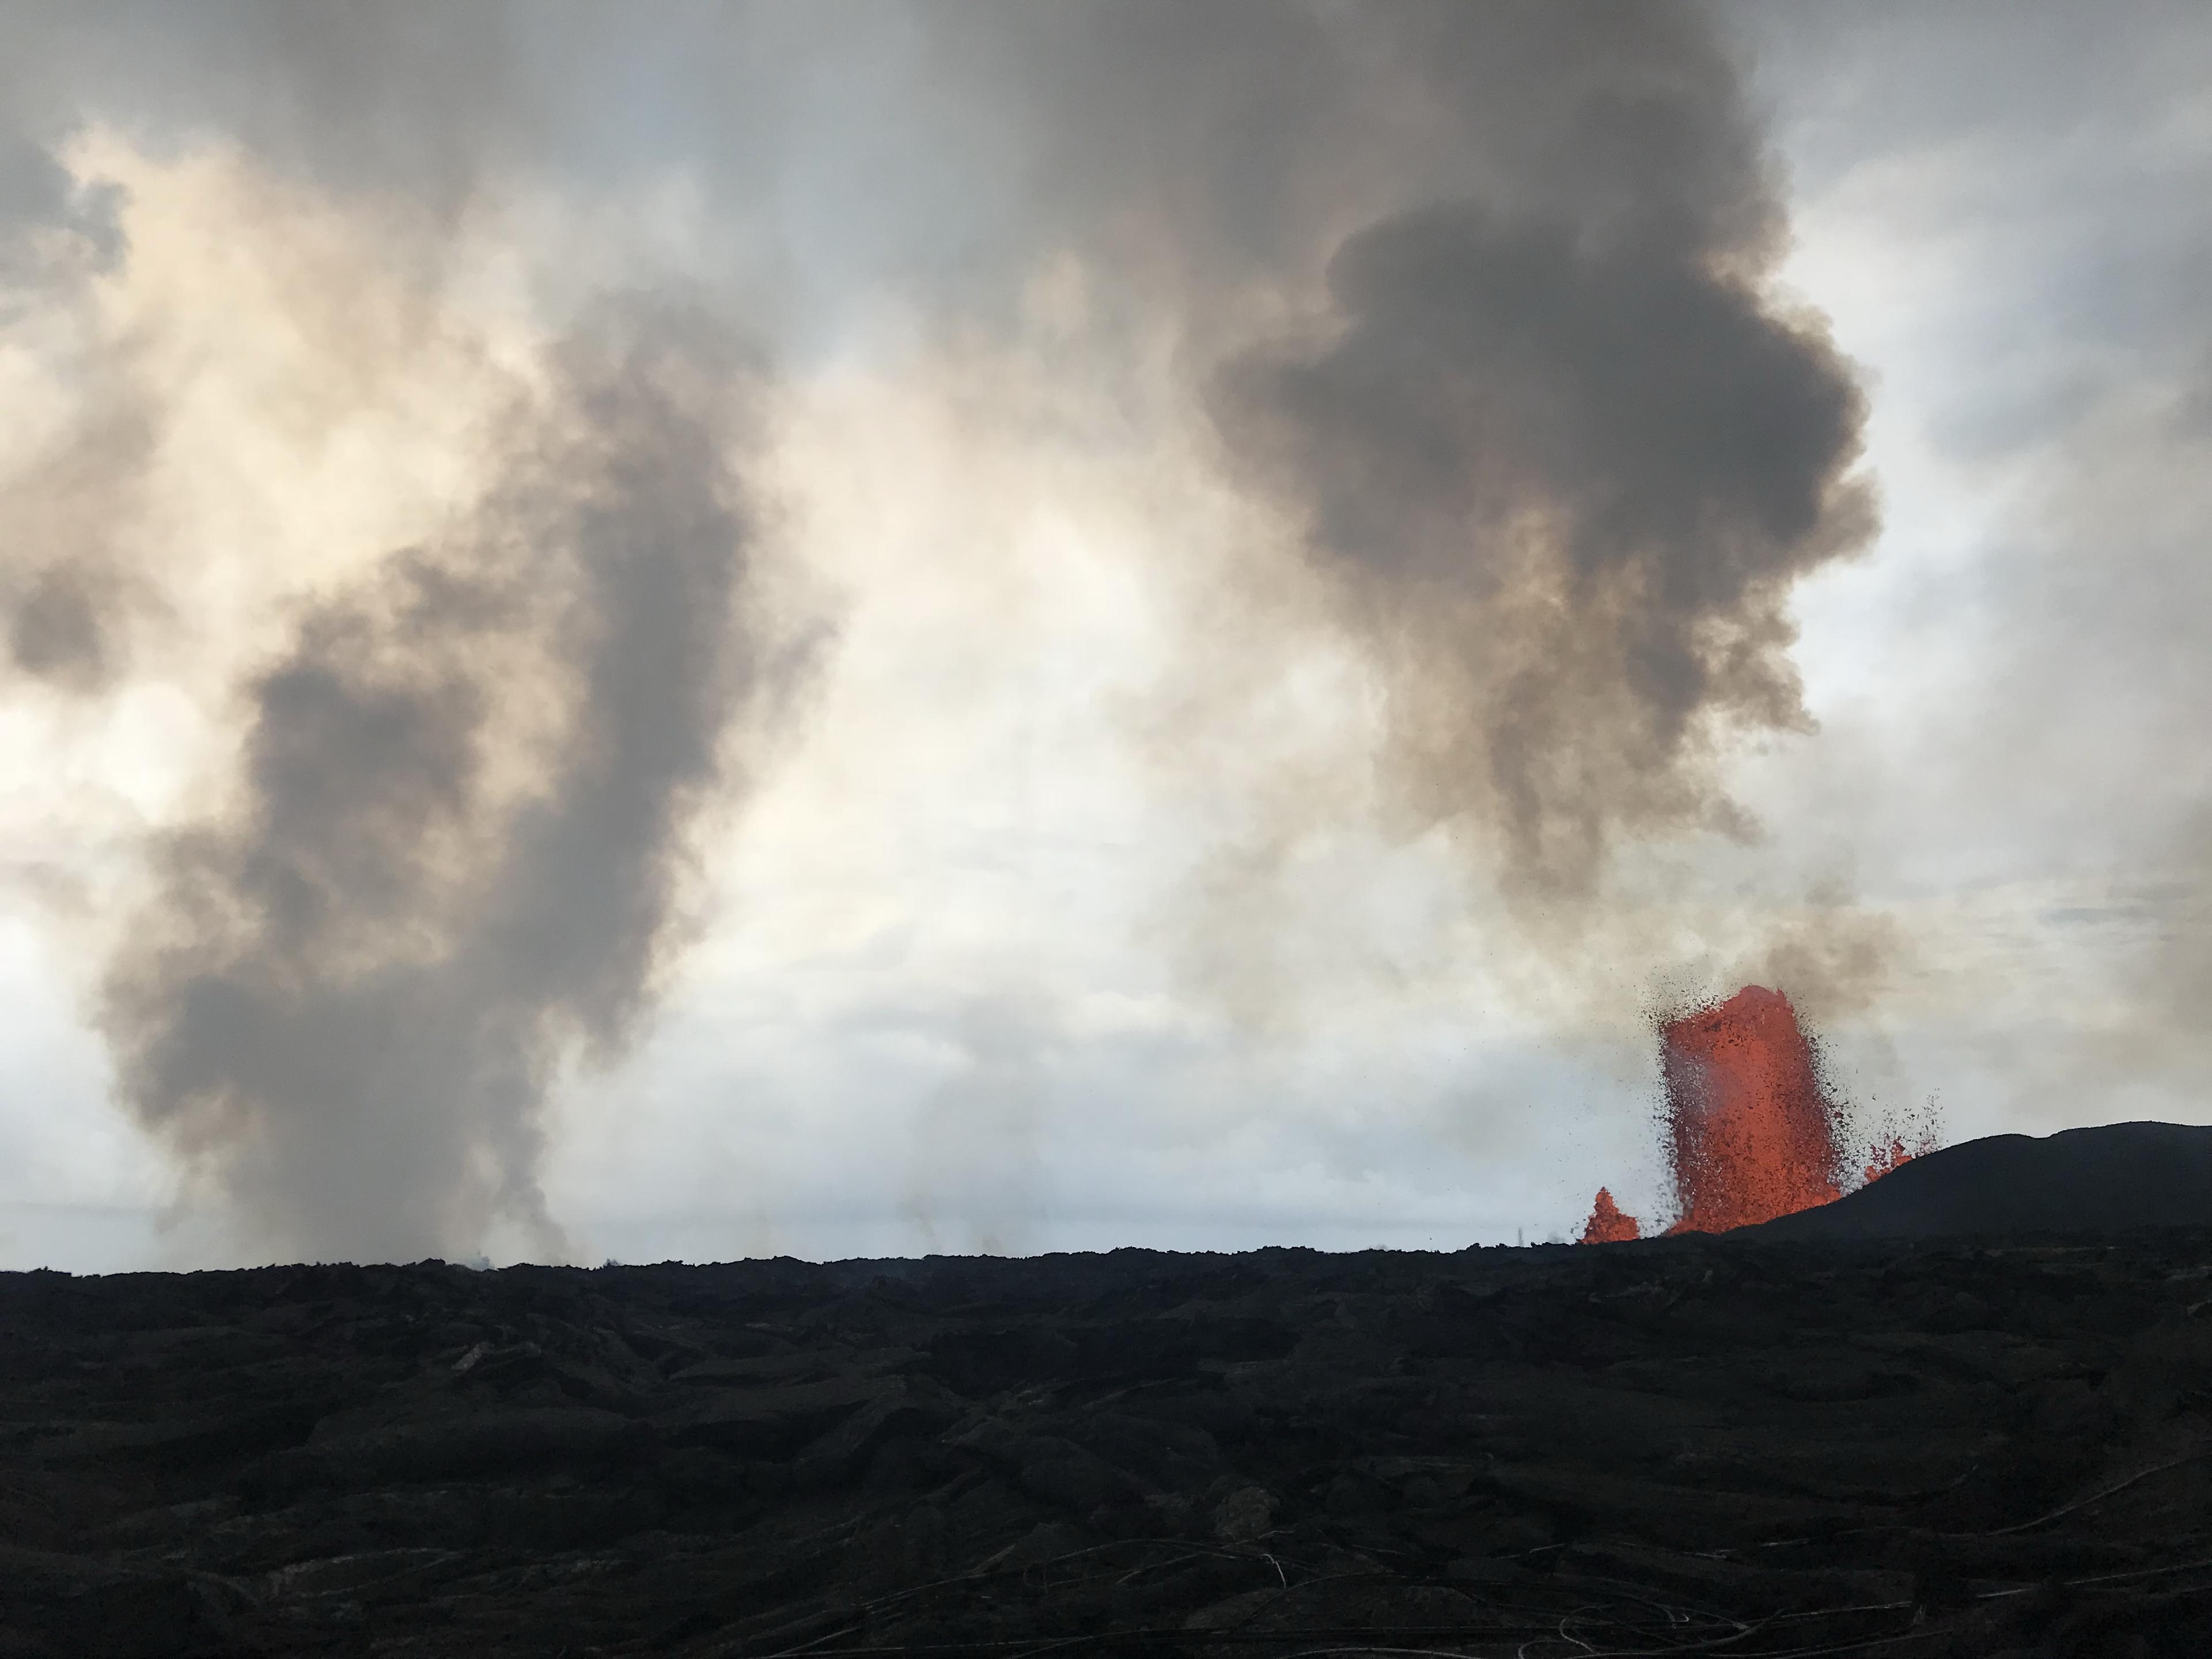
x=1561, y=476
x=71, y=591
x=459, y=849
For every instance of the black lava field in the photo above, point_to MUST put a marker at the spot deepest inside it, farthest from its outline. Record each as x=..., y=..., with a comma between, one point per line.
x=1749, y=1443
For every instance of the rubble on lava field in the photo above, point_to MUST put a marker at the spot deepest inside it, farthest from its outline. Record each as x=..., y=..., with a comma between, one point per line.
x=1696, y=1442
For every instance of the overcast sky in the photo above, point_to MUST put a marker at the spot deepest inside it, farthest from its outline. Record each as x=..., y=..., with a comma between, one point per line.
x=856, y=630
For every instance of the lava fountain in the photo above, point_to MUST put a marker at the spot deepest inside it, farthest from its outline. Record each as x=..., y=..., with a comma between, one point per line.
x=1751, y=1133
x=1607, y=1223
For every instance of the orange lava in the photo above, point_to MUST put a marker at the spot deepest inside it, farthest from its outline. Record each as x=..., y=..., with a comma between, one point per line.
x=1608, y=1225
x=1751, y=1133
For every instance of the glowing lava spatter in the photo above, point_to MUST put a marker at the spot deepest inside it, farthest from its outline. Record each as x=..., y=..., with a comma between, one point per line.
x=1751, y=1133
x=1883, y=1159
x=1607, y=1225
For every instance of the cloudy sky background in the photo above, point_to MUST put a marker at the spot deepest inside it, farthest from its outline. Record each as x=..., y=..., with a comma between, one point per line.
x=1043, y=866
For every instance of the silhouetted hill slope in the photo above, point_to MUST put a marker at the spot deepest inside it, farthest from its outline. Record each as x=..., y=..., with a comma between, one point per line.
x=2079, y=1181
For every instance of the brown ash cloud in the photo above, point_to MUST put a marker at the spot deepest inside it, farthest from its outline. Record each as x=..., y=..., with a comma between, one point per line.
x=1558, y=455
x=458, y=854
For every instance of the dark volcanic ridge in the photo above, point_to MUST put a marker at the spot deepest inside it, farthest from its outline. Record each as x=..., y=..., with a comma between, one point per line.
x=2096, y=1181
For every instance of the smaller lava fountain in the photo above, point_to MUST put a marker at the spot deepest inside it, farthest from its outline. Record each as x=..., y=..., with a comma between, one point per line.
x=1751, y=1133
x=1607, y=1225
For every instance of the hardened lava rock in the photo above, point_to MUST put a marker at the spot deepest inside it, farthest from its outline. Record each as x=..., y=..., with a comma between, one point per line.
x=1763, y=1448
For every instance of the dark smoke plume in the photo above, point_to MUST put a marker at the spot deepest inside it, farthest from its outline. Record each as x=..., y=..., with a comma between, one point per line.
x=67, y=593
x=459, y=851
x=1559, y=458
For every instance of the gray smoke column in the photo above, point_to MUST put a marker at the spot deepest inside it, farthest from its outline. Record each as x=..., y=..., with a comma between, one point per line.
x=1556, y=454
x=459, y=849
x=66, y=592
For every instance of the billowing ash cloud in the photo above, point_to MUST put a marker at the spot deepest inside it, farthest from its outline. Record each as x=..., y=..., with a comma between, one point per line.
x=68, y=591
x=459, y=851
x=1559, y=459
